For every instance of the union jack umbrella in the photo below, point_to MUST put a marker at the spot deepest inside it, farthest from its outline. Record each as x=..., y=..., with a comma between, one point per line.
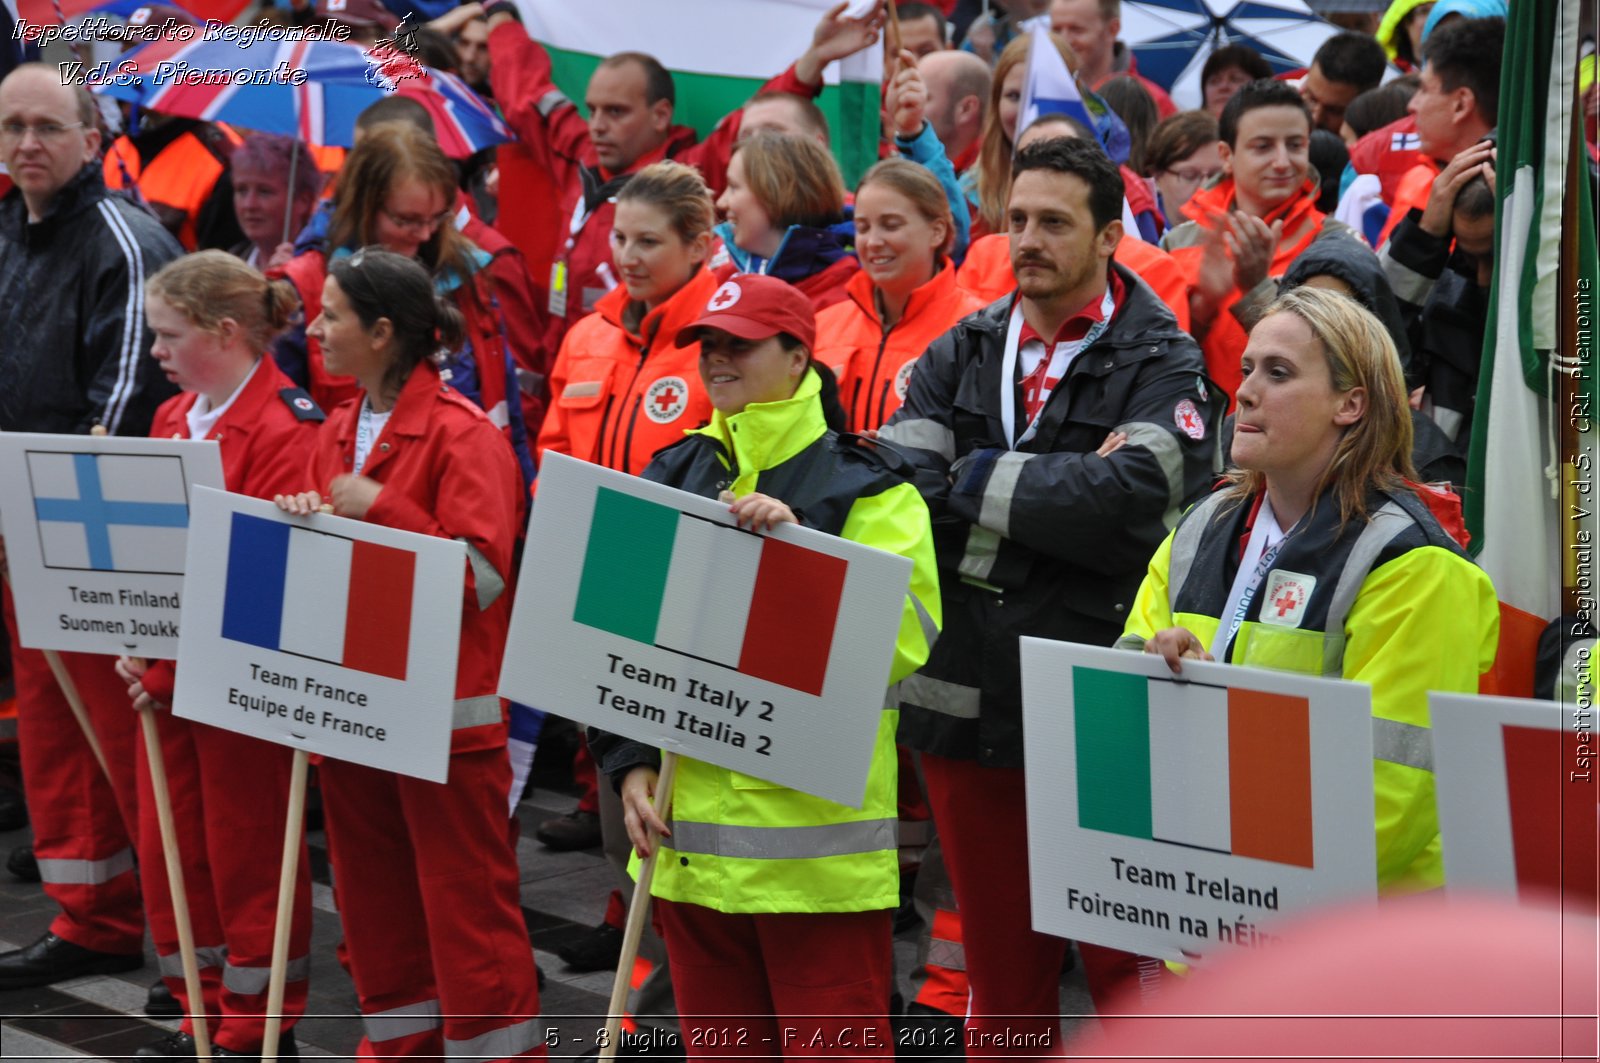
x=259, y=85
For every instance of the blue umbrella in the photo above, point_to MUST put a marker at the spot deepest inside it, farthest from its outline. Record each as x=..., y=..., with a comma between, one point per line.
x=1171, y=39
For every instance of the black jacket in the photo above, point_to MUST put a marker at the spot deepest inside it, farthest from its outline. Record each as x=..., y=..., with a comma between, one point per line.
x=1445, y=312
x=74, y=349
x=1048, y=539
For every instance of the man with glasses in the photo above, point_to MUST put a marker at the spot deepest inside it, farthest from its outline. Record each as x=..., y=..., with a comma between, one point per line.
x=73, y=355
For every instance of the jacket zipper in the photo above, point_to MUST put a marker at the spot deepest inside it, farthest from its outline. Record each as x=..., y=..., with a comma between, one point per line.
x=611, y=463
x=877, y=363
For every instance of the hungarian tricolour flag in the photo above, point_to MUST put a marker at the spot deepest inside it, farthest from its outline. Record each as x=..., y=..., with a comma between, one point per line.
x=1524, y=500
x=719, y=52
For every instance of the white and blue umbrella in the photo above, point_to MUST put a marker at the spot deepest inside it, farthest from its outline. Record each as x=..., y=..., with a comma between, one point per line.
x=1171, y=39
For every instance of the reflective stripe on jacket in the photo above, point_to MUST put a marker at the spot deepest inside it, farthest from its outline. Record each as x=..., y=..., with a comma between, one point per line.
x=1391, y=602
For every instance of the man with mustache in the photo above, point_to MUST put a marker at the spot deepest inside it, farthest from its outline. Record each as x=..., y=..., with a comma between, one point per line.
x=1044, y=526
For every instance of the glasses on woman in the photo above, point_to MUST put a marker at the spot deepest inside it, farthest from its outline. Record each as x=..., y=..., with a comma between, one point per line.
x=1190, y=176
x=416, y=223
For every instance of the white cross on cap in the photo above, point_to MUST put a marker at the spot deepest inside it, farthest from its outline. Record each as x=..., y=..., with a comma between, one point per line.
x=725, y=296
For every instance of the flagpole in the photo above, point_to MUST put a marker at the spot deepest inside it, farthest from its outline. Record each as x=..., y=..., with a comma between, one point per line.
x=638, y=911
x=175, y=885
x=69, y=690
x=285, y=916
x=288, y=199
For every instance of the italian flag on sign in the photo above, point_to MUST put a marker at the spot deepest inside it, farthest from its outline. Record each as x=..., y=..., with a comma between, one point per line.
x=720, y=52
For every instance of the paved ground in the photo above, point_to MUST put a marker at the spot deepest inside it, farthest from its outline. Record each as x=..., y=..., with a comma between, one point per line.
x=563, y=894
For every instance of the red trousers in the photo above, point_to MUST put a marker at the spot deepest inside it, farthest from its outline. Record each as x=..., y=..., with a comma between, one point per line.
x=1014, y=971
x=230, y=798
x=804, y=984
x=428, y=893
x=83, y=825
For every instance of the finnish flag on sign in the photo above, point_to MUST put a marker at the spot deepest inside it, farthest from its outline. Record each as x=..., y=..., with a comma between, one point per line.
x=110, y=512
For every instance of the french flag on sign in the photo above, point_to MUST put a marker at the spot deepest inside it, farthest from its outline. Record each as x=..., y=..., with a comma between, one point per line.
x=317, y=595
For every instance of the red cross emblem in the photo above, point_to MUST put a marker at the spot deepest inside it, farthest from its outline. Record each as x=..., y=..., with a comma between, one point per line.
x=725, y=297
x=1285, y=601
x=666, y=399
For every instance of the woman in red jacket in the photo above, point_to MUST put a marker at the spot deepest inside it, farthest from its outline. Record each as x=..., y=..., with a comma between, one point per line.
x=213, y=317
x=427, y=876
x=903, y=299
x=620, y=390
x=398, y=191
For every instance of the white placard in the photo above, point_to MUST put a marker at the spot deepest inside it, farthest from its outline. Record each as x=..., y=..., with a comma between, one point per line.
x=1170, y=815
x=1517, y=795
x=96, y=528
x=660, y=621
x=330, y=635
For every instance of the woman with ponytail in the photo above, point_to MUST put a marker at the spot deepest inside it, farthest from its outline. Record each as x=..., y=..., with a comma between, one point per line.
x=427, y=876
x=213, y=317
x=904, y=298
x=801, y=943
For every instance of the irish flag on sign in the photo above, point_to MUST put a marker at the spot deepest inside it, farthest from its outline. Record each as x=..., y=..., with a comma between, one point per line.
x=1217, y=768
x=744, y=601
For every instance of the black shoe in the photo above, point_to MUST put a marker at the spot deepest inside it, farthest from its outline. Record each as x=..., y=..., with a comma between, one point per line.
x=176, y=1045
x=160, y=1003
x=287, y=1049
x=575, y=830
x=53, y=959
x=598, y=950
x=22, y=865
x=13, y=810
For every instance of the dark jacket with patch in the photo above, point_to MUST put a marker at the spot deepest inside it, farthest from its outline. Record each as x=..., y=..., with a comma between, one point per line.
x=1048, y=539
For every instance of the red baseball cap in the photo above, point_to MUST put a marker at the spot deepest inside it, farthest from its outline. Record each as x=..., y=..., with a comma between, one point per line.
x=754, y=307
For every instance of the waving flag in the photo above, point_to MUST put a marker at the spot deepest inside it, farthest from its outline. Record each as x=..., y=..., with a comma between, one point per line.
x=1542, y=308
x=719, y=54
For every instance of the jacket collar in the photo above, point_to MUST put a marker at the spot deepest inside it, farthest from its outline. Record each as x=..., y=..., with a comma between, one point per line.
x=409, y=417
x=938, y=291
x=1218, y=199
x=766, y=434
x=683, y=308
x=803, y=252
x=80, y=193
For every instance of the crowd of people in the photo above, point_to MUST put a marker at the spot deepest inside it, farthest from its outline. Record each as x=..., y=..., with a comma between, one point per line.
x=1099, y=380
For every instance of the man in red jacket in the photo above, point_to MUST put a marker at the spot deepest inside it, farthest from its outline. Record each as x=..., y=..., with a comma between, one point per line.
x=1091, y=27
x=630, y=105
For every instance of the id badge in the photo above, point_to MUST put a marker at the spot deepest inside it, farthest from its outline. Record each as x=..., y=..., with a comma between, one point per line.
x=558, y=289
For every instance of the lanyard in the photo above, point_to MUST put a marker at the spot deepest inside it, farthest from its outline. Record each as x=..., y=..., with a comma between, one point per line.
x=1008, y=368
x=1266, y=539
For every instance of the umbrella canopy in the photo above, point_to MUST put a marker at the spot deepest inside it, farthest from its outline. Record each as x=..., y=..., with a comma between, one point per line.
x=259, y=86
x=1171, y=39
